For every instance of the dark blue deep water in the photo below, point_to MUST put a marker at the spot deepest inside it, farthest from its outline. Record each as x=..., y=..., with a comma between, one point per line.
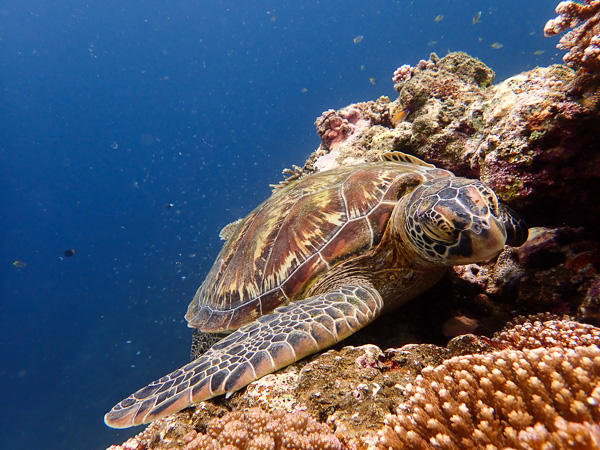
x=110, y=110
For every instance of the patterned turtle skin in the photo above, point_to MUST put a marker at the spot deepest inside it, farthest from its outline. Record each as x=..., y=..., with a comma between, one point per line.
x=320, y=259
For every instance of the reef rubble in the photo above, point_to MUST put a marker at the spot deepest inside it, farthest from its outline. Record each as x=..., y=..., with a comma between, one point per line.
x=533, y=139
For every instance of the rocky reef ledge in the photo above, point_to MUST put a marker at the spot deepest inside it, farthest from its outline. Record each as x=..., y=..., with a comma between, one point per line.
x=449, y=377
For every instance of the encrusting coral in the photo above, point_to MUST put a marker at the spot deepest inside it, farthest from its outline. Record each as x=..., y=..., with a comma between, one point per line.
x=525, y=397
x=583, y=42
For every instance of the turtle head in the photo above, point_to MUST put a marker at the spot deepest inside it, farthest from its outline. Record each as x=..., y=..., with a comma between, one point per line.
x=455, y=220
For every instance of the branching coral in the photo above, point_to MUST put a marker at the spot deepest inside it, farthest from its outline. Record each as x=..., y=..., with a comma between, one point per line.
x=583, y=42
x=503, y=399
x=256, y=429
x=515, y=398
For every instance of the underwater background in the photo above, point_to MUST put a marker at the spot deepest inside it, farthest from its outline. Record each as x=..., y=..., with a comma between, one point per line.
x=133, y=131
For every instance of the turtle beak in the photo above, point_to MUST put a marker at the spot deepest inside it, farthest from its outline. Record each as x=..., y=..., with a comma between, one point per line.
x=489, y=241
x=481, y=242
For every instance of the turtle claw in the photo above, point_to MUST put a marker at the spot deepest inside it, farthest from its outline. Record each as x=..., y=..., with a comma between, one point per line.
x=271, y=342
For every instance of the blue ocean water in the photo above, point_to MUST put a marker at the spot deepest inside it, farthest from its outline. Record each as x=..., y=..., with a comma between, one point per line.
x=110, y=111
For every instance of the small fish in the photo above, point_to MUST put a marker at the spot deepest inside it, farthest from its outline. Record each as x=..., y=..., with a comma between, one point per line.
x=358, y=39
x=69, y=252
x=169, y=205
x=480, y=39
x=476, y=17
x=400, y=116
x=372, y=80
x=438, y=18
x=362, y=67
x=304, y=90
x=19, y=264
x=432, y=43
x=497, y=45
x=538, y=52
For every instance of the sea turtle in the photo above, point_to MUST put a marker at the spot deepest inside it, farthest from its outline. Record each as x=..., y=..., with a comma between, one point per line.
x=320, y=259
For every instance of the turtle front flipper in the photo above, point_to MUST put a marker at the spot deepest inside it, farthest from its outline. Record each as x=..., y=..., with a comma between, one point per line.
x=271, y=342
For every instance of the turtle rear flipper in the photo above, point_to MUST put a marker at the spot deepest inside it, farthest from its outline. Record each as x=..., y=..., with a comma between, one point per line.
x=271, y=342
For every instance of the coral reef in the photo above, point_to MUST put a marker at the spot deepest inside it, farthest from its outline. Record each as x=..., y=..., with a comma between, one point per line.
x=353, y=389
x=531, y=138
x=583, y=42
x=527, y=396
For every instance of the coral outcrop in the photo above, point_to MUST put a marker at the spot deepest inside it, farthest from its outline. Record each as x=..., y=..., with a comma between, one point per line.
x=531, y=137
x=507, y=399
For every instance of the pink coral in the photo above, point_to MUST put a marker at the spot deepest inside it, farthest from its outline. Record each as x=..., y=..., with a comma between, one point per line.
x=583, y=42
x=333, y=128
x=402, y=73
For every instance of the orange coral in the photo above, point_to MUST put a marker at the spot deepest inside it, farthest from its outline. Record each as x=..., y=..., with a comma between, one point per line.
x=524, y=397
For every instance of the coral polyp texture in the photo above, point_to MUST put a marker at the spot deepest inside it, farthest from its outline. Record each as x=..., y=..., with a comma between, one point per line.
x=583, y=42
x=525, y=397
x=256, y=429
x=532, y=334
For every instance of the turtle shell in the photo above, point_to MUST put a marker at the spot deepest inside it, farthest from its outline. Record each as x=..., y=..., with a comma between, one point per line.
x=297, y=235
